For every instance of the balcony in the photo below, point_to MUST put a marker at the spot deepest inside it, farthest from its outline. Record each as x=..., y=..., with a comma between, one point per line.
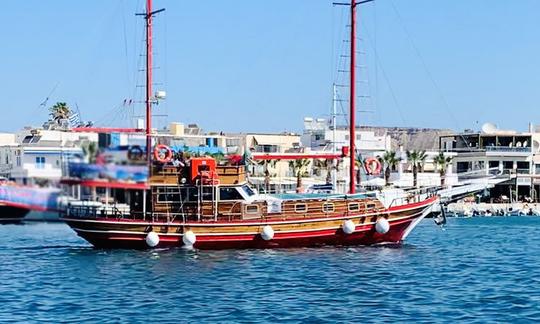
x=508, y=149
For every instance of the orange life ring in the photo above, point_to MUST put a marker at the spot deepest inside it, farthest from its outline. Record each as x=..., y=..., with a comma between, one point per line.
x=372, y=166
x=163, y=153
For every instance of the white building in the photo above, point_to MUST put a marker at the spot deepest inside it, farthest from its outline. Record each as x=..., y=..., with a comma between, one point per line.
x=34, y=154
x=319, y=135
x=502, y=153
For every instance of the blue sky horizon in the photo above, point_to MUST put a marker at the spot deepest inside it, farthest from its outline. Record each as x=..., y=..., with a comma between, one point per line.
x=242, y=65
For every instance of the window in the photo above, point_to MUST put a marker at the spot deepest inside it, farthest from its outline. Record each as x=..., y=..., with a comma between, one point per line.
x=252, y=209
x=266, y=148
x=166, y=195
x=328, y=207
x=248, y=190
x=370, y=206
x=40, y=162
x=229, y=193
x=509, y=165
x=354, y=207
x=300, y=208
x=193, y=194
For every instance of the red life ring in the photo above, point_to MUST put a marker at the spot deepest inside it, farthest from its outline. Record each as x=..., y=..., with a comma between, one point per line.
x=372, y=166
x=163, y=153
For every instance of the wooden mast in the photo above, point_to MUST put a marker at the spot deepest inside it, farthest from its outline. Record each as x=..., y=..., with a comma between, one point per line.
x=148, y=79
x=352, y=94
x=352, y=99
x=148, y=17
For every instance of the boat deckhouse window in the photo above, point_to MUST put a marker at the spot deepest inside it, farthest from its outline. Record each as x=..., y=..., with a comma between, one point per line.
x=229, y=193
x=248, y=190
x=354, y=207
x=252, y=209
x=193, y=194
x=300, y=208
x=370, y=206
x=328, y=207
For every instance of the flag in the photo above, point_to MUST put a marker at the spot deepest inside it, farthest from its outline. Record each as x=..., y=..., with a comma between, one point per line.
x=74, y=120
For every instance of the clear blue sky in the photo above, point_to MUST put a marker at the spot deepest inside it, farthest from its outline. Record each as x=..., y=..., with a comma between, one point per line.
x=244, y=65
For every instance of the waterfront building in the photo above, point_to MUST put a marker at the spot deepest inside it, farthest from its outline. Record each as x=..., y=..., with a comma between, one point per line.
x=35, y=154
x=513, y=157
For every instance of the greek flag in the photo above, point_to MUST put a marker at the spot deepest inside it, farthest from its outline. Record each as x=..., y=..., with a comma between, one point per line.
x=74, y=120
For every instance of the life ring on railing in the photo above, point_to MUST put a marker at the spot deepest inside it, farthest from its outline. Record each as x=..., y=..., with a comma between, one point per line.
x=372, y=166
x=135, y=153
x=163, y=153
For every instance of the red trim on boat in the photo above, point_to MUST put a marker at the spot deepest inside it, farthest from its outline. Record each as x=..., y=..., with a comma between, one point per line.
x=107, y=184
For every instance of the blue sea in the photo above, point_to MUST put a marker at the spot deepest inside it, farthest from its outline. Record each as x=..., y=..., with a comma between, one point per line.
x=477, y=270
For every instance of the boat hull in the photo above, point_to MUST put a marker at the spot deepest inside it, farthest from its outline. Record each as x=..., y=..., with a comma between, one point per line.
x=131, y=234
x=11, y=214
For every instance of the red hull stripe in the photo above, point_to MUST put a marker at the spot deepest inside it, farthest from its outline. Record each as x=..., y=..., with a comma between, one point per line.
x=25, y=206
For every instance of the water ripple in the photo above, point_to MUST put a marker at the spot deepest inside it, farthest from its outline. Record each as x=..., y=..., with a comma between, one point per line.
x=477, y=270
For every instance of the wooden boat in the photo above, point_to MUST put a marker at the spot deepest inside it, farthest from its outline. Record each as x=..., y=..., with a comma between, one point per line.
x=196, y=203
x=212, y=207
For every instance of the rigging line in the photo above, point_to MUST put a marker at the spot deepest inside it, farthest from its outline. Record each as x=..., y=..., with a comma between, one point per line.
x=44, y=102
x=126, y=53
x=339, y=60
x=424, y=65
x=385, y=76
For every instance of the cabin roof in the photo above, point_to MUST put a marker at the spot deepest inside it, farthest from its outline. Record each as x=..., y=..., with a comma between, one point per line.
x=297, y=196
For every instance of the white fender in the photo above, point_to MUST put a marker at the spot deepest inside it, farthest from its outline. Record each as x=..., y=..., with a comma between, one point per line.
x=152, y=239
x=348, y=227
x=382, y=226
x=267, y=233
x=189, y=238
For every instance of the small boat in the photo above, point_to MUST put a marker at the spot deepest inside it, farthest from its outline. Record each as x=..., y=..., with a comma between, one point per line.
x=12, y=214
x=18, y=201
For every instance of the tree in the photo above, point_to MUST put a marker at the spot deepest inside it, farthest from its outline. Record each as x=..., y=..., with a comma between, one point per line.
x=326, y=164
x=90, y=151
x=390, y=161
x=359, y=165
x=299, y=169
x=442, y=162
x=416, y=159
x=59, y=111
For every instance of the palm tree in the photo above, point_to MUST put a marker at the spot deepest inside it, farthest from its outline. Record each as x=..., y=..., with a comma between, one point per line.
x=267, y=174
x=59, y=111
x=416, y=159
x=390, y=161
x=299, y=168
x=359, y=164
x=327, y=165
x=442, y=162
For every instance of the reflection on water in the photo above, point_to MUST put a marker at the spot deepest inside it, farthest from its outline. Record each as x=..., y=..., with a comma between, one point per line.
x=479, y=269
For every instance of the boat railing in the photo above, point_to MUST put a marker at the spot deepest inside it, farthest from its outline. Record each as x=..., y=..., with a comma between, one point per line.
x=96, y=211
x=414, y=196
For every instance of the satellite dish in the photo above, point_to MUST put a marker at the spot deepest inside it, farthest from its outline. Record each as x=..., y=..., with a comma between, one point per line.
x=489, y=128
